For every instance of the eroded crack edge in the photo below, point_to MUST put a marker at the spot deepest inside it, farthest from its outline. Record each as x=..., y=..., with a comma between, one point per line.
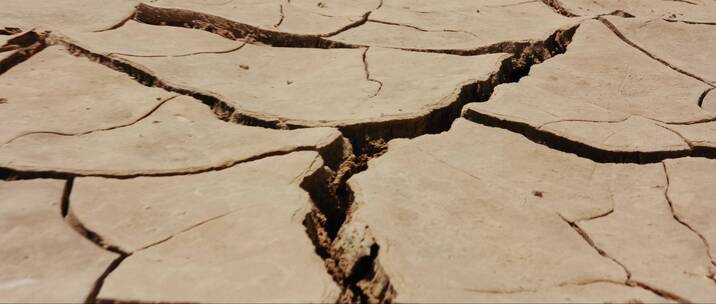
x=23, y=47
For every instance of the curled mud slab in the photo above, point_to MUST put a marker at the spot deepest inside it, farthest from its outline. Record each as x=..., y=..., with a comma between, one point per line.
x=370, y=151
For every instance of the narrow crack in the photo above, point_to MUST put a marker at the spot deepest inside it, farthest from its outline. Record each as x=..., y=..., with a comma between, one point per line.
x=682, y=1
x=144, y=116
x=676, y=217
x=629, y=281
x=222, y=109
x=703, y=97
x=10, y=31
x=92, y=296
x=421, y=29
x=91, y=236
x=367, y=73
x=691, y=22
x=184, y=55
x=591, y=243
x=187, y=229
x=559, y=8
x=362, y=135
x=626, y=40
x=280, y=20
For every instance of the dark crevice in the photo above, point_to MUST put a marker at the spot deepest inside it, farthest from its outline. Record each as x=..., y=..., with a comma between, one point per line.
x=280, y=20
x=236, y=30
x=626, y=40
x=369, y=138
x=10, y=31
x=23, y=47
x=367, y=73
x=364, y=136
x=659, y=292
x=702, y=97
x=691, y=22
x=64, y=207
x=557, y=6
x=351, y=262
x=92, y=297
x=222, y=110
x=563, y=144
x=93, y=237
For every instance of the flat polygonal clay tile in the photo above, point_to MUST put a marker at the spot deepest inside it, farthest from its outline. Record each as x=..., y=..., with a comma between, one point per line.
x=455, y=25
x=182, y=136
x=55, y=92
x=601, y=95
x=483, y=214
x=43, y=259
x=689, y=47
x=79, y=15
x=319, y=87
x=234, y=235
x=302, y=17
x=685, y=10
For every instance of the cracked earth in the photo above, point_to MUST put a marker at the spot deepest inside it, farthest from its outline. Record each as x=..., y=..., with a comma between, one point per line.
x=203, y=151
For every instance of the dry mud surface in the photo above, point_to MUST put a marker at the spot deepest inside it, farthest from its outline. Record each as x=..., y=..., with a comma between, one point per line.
x=199, y=151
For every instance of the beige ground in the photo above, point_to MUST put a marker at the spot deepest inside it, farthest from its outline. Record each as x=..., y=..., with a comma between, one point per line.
x=214, y=151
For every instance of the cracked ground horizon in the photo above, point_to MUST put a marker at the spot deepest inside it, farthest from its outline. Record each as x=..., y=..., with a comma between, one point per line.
x=357, y=151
